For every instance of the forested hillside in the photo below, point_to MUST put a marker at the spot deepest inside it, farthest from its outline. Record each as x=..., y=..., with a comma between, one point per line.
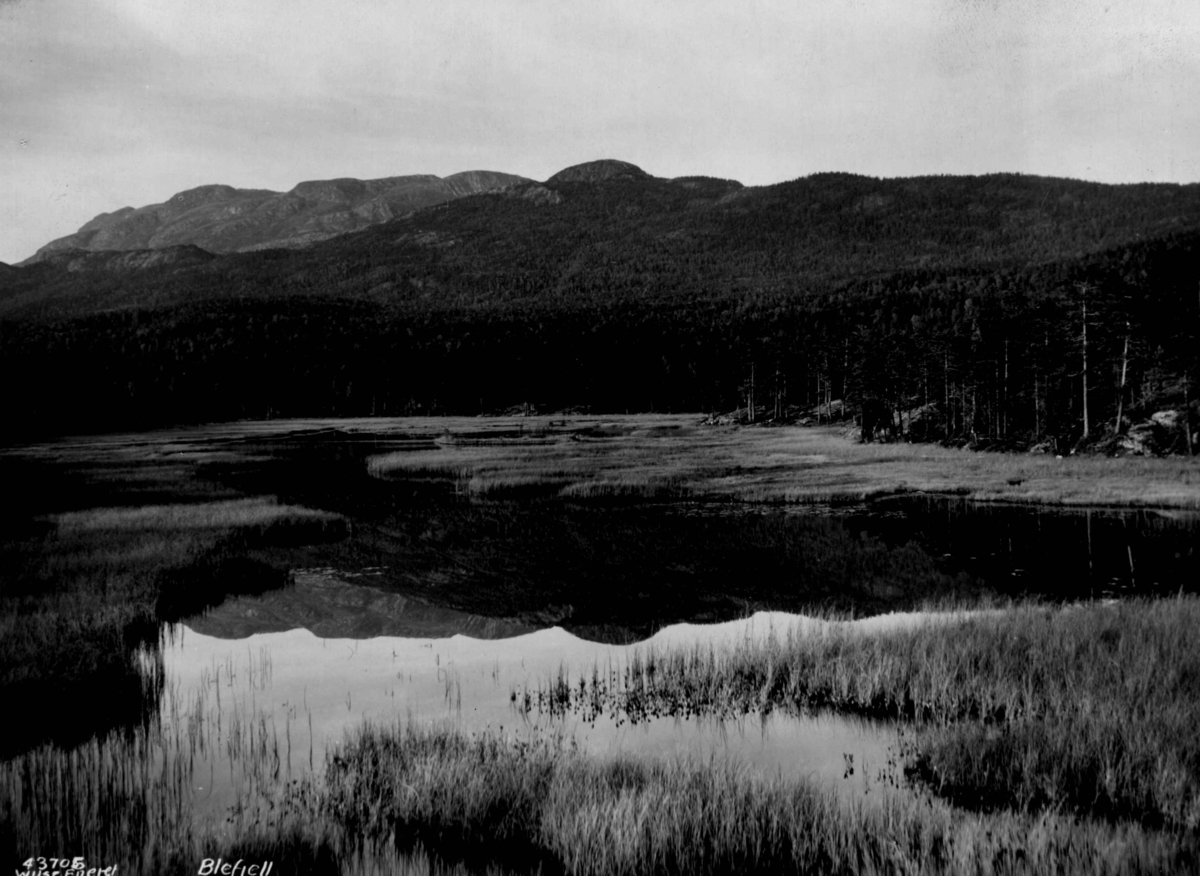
x=952, y=308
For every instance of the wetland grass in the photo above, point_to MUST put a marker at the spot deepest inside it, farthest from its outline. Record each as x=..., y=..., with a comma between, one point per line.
x=782, y=465
x=1067, y=734
x=127, y=798
x=81, y=598
x=408, y=799
x=1086, y=709
x=524, y=805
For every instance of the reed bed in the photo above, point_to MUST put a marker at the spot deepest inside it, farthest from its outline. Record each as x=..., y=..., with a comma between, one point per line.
x=127, y=798
x=782, y=466
x=559, y=468
x=80, y=599
x=422, y=799
x=540, y=805
x=1084, y=709
x=258, y=512
x=408, y=799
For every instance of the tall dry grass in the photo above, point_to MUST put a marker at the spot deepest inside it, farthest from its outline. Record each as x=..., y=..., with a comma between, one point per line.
x=1087, y=709
x=127, y=798
x=529, y=805
x=783, y=465
x=79, y=599
x=409, y=799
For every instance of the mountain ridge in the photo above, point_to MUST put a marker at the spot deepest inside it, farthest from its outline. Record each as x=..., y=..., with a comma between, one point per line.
x=607, y=229
x=609, y=289
x=221, y=219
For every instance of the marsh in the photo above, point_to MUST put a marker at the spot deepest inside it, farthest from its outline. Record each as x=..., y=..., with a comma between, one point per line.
x=246, y=617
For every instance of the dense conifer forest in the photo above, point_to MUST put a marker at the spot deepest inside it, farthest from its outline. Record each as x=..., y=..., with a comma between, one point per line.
x=1005, y=310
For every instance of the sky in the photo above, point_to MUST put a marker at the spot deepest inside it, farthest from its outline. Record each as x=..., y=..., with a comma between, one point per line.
x=112, y=103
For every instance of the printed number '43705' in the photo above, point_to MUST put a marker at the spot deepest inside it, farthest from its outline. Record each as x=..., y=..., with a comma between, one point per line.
x=54, y=863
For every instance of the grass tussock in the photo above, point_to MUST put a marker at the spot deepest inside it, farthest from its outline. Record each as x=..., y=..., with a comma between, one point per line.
x=79, y=599
x=257, y=514
x=785, y=465
x=1085, y=709
x=408, y=799
x=487, y=800
x=520, y=470
x=126, y=799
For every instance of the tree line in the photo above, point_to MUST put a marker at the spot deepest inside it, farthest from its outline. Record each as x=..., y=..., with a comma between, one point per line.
x=1000, y=310
x=1014, y=357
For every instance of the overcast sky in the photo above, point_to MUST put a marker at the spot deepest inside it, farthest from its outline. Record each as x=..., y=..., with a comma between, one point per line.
x=108, y=103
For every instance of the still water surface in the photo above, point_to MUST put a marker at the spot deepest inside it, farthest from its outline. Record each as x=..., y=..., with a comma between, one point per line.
x=1052, y=553
x=305, y=691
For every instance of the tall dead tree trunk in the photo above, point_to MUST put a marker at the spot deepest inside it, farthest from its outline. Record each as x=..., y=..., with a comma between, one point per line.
x=994, y=413
x=820, y=397
x=1121, y=388
x=778, y=394
x=750, y=396
x=845, y=374
x=829, y=397
x=1037, y=411
x=1004, y=396
x=1187, y=411
x=1083, y=288
x=974, y=409
x=1187, y=402
x=948, y=415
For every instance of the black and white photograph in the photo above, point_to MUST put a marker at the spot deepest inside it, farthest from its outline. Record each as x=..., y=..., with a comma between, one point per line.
x=541, y=437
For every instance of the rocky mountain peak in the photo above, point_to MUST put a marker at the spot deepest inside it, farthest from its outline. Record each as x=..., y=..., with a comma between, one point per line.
x=599, y=171
x=221, y=218
x=203, y=195
x=342, y=190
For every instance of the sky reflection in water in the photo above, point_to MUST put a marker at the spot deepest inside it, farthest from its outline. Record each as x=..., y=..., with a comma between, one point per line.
x=287, y=681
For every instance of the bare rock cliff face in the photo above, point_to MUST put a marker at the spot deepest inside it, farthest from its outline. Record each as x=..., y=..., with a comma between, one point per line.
x=223, y=219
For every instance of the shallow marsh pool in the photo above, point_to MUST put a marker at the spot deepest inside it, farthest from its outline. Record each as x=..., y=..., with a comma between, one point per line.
x=289, y=694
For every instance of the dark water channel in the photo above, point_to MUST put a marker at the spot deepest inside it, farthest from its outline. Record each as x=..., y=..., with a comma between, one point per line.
x=618, y=571
x=1056, y=554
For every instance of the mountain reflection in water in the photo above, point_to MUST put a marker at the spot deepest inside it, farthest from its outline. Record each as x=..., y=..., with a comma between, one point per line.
x=369, y=655
x=324, y=603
